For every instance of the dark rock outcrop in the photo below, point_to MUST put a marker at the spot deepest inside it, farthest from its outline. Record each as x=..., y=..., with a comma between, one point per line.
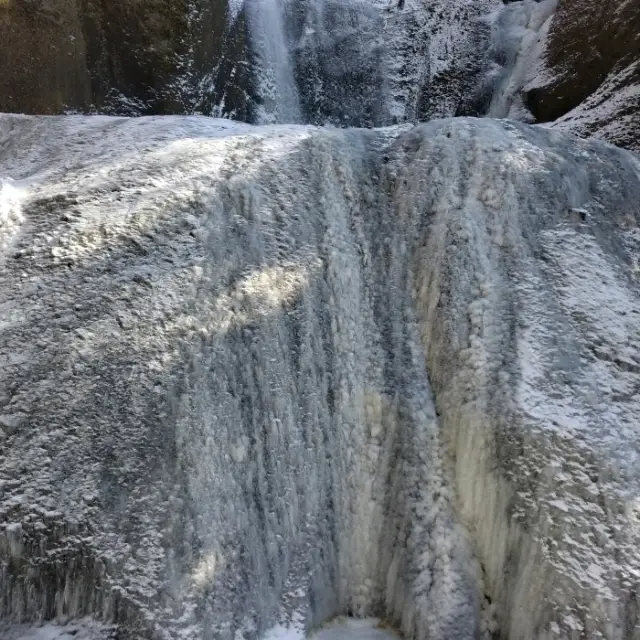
x=121, y=57
x=42, y=57
x=592, y=59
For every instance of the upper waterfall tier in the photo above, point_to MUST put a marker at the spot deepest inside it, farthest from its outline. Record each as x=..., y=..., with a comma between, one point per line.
x=365, y=62
x=259, y=376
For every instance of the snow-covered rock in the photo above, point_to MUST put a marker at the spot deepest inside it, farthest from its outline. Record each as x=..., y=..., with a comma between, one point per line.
x=574, y=64
x=266, y=376
x=612, y=113
x=347, y=62
x=381, y=62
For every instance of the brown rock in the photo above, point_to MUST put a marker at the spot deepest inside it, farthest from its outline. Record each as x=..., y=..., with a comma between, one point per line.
x=592, y=57
x=42, y=56
x=127, y=57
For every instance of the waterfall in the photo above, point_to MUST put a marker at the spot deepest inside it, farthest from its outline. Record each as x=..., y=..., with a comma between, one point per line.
x=518, y=38
x=277, y=94
x=255, y=379
x=364, y=63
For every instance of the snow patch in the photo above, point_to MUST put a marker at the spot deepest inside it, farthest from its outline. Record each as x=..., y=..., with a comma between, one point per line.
x=81, y=630
x=12, y=194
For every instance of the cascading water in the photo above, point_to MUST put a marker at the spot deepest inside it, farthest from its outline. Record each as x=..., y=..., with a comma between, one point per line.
x=276, y=90
x=364, y=63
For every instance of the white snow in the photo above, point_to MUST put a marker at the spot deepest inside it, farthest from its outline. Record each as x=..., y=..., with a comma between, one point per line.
x=11, y=219
x=81, y=630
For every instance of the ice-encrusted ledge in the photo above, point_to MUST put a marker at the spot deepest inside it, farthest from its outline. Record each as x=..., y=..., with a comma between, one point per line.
x=260, y=376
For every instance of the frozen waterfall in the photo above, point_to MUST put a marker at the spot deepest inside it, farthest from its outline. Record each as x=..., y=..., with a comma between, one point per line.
x=256, y=378
x=365, y=63
x=276, y=90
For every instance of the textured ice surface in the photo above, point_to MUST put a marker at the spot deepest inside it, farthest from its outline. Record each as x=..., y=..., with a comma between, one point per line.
x=81, y=630
x=519, y=32
x=254, y=378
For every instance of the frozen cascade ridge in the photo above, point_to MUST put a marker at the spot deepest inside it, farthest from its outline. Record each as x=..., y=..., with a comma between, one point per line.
x=257, y=378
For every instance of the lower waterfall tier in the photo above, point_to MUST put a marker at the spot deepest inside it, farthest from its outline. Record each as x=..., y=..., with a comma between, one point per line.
x=268, y=376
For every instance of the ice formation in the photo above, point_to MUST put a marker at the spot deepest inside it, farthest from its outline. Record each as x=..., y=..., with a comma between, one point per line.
x=519, y=32
x=550, y=62
x=276, y=87
x=365, y=62
x=261, y=377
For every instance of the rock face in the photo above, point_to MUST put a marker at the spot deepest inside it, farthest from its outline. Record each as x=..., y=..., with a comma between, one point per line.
x=42, y=57
x=571, y=64
x=270, y=375
x=379, y=63
x=145, y=56
x=345, y=63
x=591, y=72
